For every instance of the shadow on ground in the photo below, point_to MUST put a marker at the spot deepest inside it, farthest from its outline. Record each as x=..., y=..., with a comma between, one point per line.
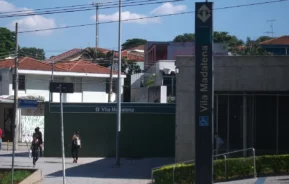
x=17, y=154
x=105, y=168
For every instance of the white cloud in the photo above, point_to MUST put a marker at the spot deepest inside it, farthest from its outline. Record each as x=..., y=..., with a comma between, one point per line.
x=169, y=8
x=29, y=22
x=33, y=23
x=8, y=7
x=126, y=16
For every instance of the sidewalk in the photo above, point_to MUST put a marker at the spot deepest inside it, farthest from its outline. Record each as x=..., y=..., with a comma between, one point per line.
x=262, y=180
x=88, y=170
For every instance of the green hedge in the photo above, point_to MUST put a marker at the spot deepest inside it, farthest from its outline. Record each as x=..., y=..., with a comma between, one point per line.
x=236, y=168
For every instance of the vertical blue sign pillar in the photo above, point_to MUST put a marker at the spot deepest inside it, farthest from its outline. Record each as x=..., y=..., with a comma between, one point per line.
x=204, y=92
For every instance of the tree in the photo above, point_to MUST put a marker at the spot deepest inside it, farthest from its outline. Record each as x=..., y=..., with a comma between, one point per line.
x=32, y=52
x=186, y=37
x=129, y=67
x=100, y=58
x=253, y=48
x=7, y=42
x=130, y=43
x=231, y=42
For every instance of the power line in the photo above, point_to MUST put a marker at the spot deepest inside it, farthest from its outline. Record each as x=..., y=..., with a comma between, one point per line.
x=71, y=10
x=58, y=7
x=151, y=17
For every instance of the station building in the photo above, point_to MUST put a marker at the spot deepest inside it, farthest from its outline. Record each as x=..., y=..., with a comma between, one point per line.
x=251, y=104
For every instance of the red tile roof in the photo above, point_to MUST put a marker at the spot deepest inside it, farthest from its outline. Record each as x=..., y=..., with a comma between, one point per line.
x=71, y=52
x=80, y=66
x=140, y=47
x=28, y=63
x=64, y=55
x=283, y=40
x=130, y=55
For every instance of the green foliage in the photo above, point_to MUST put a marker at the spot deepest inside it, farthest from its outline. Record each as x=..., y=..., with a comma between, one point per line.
x=130, y=43
x=7, y=42
x=186, y=37
x=237, y=168
x=151, y=80
x=19, y=175
x=32, y=52
x=102, y=59
x=232, y=43
x=129, y=67
x=253, y=48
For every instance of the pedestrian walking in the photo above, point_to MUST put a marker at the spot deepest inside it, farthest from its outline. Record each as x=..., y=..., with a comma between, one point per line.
x=75, y=145
x=1, y=136
x=38, y=135
x=35, y=147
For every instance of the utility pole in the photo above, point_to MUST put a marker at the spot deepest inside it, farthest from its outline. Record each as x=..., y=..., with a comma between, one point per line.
x=96, y=30
x=271, y=26
x=111, y=77
x=119, y=88
x=52, y=79
x=14, y=125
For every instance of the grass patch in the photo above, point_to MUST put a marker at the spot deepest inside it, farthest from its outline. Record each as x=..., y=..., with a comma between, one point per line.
x=19, y=175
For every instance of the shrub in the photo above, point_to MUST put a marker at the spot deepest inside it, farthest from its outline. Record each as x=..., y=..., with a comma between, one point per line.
x=236, y=168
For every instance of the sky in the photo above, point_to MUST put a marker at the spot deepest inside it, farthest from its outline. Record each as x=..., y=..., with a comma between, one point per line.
x=242, y=22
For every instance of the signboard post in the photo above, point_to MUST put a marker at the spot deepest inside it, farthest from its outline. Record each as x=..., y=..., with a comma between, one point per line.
x=61, y=87
x=204, y=92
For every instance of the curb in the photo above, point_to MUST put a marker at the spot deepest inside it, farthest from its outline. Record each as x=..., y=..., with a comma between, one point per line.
x=35, y=177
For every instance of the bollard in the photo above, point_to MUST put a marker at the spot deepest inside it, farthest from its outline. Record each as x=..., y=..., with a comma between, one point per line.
x=7, y=145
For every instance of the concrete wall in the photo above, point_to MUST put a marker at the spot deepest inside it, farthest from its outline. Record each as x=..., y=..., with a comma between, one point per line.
x=4, y=83
x=232, y=73
x=149, y=95
x=157, y=94
x=139, y=94
x=93, y=89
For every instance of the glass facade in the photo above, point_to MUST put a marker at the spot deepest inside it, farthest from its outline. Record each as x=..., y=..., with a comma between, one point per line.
x=251, y=120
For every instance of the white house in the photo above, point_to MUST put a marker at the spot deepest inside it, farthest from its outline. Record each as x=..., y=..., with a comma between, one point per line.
x=91, y=81
x=91, y=84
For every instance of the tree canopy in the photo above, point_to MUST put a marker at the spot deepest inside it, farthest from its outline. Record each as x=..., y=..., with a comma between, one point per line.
x=186, y=37
x=7, y=42
x=32, y=52
x=130, y=67
x=130, y=43
x=234, y=45
x=252, y=47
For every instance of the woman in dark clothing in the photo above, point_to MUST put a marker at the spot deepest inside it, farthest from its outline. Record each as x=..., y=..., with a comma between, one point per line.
x=75, y=145
x=35, y=146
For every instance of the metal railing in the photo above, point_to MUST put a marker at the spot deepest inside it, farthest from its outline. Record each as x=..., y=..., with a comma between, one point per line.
x=218, y=155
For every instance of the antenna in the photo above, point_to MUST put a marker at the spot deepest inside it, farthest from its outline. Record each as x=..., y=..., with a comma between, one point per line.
x=271, y=26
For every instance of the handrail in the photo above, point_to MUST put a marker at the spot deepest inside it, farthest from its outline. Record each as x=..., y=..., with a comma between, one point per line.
x=222, y=154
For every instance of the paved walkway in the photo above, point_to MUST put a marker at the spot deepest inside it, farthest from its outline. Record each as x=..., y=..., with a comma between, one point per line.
x=263, y=180
x=103, y=171
x=88, y=170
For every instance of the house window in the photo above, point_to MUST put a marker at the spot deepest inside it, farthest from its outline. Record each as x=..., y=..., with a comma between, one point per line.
x=21, y=82
x=114, y=85
x=77, y=83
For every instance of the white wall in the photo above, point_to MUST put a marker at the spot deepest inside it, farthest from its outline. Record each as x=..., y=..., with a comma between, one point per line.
x=93, y=89
x=4, y=83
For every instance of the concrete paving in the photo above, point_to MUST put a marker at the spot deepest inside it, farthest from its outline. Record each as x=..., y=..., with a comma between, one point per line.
x=88, y=170
x=103, y=170
x=262, y=180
